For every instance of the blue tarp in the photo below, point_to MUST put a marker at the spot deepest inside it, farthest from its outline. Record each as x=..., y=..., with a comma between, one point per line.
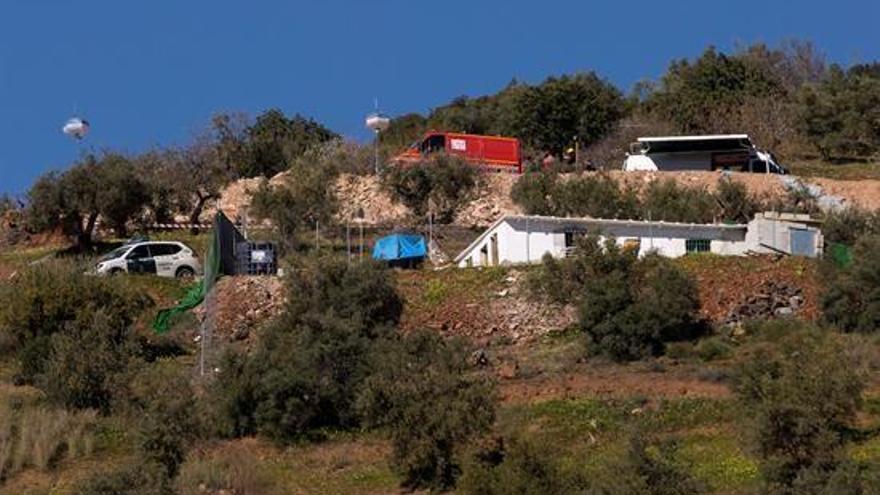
x=400, y=247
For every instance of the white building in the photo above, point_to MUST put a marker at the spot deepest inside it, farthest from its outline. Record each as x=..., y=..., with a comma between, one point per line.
x=526, y=239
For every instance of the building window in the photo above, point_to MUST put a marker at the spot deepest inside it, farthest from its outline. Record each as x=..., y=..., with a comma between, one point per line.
x=698, y=245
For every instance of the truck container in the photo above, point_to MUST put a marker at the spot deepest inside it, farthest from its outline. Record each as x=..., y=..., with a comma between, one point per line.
x=734, y=152
x=492, y=152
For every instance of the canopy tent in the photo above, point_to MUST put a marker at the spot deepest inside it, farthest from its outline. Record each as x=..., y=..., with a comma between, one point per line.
x=401, y=248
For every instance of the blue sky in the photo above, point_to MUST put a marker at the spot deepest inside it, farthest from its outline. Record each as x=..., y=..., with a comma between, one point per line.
x=152, y=72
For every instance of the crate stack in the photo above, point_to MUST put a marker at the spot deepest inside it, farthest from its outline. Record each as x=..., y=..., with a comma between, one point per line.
x=256, y=258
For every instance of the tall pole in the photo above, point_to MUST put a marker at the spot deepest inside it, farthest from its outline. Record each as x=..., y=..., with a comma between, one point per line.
x=376, y=151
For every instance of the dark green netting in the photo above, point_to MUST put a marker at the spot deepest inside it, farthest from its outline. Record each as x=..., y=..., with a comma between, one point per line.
x=197, y=294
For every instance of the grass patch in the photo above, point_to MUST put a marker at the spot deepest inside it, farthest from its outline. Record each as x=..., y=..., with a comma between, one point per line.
x=342, y=465
x=717, y=459
x=426, y=290
x=578, y=417
x=842, y=171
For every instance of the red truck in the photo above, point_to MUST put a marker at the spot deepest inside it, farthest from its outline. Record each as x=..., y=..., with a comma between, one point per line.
x=493, y=152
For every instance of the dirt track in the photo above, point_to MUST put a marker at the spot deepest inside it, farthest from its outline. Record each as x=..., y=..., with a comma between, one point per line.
x=610, y=382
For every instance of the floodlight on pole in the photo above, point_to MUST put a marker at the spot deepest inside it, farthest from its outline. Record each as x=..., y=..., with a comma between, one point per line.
x=377, y=123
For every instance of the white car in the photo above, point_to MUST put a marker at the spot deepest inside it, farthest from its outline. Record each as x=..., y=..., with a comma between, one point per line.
x=163, y=258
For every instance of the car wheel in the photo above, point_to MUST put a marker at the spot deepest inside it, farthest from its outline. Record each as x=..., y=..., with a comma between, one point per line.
x=185, y=272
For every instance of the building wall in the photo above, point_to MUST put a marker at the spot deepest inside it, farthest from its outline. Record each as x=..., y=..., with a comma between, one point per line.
x=767, y=235
x=528, y=243
x=519, y=241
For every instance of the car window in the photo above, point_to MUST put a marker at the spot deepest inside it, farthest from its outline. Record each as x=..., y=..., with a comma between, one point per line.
x=164, y=249
x=139, y=252
x=116, y=253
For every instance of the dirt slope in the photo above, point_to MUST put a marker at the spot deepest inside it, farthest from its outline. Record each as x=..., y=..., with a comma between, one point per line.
x=491, y=199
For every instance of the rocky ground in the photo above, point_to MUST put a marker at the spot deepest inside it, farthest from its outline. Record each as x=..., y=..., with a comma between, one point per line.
x=243, y=305
x=364, y=195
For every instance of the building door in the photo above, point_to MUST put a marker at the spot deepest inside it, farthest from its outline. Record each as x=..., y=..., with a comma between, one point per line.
x=803, y=242
x=493, y=249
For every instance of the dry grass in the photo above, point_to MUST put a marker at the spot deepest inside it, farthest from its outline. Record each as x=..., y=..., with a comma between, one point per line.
x=6, y=439
x=41, y=437
x=227, y=470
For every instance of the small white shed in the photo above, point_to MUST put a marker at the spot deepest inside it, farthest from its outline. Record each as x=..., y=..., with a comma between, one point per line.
x=518, y=239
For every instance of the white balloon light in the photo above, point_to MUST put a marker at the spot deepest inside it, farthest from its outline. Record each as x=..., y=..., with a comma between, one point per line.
x=76, y=128
x=377, y=122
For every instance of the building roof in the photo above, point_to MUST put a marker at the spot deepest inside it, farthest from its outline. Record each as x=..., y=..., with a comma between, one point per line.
x=710, y=137
x=592, y=222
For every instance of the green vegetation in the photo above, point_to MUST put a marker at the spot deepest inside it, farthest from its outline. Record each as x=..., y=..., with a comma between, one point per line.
x=53, y=307
x=600, y=196
x=423, y=392
x=798, y=439
x=344, y=393
x=629, y=306
x=438, y=186
x=852, y=301
x=297, y=204
x=546, y=116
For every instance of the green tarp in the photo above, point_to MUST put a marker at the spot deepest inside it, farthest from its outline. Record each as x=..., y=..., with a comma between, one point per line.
x=197, y=294
x=841, y=254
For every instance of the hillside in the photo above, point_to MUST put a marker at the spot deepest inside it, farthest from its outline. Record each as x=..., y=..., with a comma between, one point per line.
x=583, y=406
x=491, y=199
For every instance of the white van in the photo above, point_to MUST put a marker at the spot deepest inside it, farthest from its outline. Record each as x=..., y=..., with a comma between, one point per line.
x=163, y=258
x=733, y=152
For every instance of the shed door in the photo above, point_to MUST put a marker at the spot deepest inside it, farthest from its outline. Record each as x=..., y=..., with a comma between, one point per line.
x=803, y=242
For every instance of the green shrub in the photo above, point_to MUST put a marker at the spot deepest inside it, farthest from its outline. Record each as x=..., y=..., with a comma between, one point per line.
x=311, y=362
x=563, y=280
x=305, y=197
x=652, y=468
x=162, y=404
x=516, y=467
x=47, y=298
x=737, y=205
x=585, y=195
x=535, y=192
x=424, y=393
x=852, y=300
x=666, y=200
x=364, y=294
x=599, y=195
x=793, y=432
x=630, y=307
x=438, y=186
x=713, y=348
x=847, y=225
x=849, y=478
x=85, y=364
x=649, y=467
x=631, y=313
x=595, y=195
